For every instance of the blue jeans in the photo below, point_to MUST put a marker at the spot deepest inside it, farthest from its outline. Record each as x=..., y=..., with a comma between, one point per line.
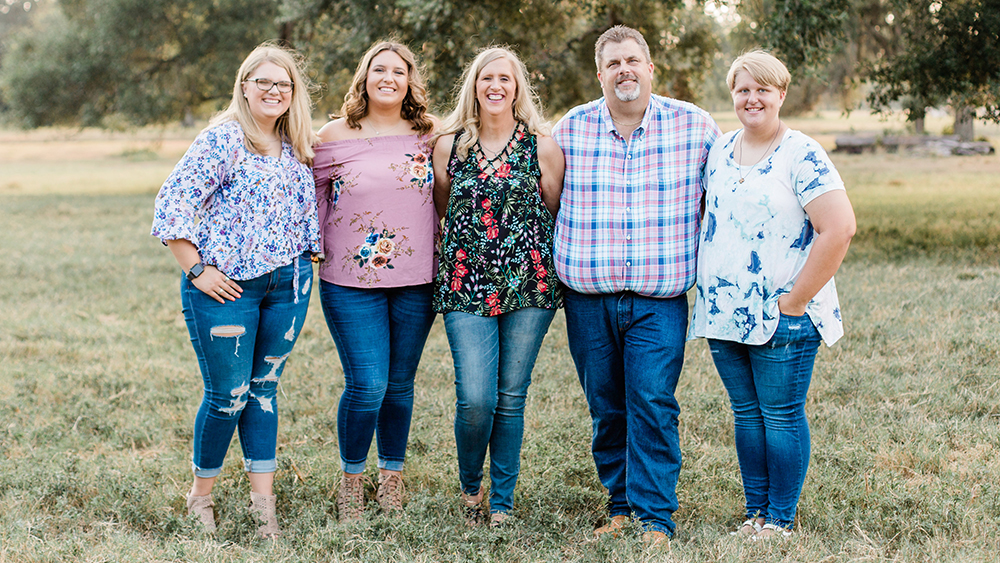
x=767, y=386
x=493, y=359
x=628, y=350
x=242, y=347
x=380, y=336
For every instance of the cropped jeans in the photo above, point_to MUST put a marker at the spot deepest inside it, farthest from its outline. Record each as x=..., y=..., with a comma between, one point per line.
x=380, y=335
x=493, y=359
x=242, y=347
x=629, y=350
x=767, y=386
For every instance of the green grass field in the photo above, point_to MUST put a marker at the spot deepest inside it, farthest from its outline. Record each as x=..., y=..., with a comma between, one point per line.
x=99, y=386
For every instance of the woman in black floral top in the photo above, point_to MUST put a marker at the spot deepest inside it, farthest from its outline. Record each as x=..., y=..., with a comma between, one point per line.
x=497, y=181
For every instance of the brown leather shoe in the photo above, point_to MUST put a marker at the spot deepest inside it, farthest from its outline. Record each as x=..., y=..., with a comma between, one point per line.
x=202, y=508
x=656, y=540
x=614, y=527
x=351, y=498
x=263, y=507
x=390, y=492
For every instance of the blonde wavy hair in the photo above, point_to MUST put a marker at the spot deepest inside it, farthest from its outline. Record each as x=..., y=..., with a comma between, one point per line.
x=465, y=116
x=295, y=125
x=414, y=109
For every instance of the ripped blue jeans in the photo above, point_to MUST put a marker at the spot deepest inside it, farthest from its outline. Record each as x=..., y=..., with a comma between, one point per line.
x=242, y=347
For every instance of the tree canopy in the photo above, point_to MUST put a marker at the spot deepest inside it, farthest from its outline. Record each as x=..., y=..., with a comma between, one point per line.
x=135, y=61
x=151, y=61
x=916, y=53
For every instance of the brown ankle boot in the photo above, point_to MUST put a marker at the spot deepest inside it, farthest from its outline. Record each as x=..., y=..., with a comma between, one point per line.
x=202, y=507
x=263, y=507
x=390, y=492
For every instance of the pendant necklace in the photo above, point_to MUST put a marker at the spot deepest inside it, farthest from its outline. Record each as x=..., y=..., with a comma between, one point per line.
x=739, y=167
x=379, y=133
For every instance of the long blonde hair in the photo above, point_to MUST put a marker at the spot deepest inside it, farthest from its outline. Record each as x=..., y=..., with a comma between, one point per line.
x=414, y=109
x=295, y=125
x=465, y=116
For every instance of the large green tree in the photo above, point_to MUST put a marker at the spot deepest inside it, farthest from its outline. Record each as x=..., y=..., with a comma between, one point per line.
x=144, y=61
x=554, y=37
x=915, y=53
x=950, y=52
x=149, y=62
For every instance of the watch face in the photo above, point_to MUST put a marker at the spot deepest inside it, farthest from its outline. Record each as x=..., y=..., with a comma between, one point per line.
x=195, y=271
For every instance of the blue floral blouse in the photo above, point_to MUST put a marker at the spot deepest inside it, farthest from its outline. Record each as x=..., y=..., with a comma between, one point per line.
x=496, y=247
x=247, y=214
x=755, y=239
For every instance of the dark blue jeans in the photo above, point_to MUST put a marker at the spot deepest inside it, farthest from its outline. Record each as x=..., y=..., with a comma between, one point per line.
x=628, y=351
x=493, y=359
x=380, y=335
x=767, y=386
x=242, y=347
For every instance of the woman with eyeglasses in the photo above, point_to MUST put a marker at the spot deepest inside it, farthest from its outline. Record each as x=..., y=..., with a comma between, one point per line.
x=376, y=212
x=238, y=212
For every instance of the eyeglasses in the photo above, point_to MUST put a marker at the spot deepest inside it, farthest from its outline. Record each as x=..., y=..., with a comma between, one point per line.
x=265, y=84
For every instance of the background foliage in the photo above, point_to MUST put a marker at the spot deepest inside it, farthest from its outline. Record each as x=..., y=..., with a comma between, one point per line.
x=131, y=62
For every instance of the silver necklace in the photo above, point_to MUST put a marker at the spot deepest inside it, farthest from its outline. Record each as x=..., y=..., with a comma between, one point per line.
x=379, y=133
x=625, y=124
x=497, y=152
x=739, y=167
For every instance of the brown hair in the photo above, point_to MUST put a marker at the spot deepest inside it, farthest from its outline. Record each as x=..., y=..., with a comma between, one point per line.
x=414, y=107
x=618, y=34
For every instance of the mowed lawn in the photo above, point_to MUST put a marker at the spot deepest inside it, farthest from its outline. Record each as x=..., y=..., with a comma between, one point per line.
x=99, y=386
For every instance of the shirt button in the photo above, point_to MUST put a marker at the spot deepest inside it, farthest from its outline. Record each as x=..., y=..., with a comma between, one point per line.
x=629, y=264
x=628, y=237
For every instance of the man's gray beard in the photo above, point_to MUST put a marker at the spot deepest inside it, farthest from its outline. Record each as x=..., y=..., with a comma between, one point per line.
x=627, y=96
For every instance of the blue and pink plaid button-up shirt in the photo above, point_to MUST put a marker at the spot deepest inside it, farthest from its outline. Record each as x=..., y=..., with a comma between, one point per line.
x=629, y=214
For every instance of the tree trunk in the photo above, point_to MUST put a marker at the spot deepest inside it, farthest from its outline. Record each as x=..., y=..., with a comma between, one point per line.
x=965, y=122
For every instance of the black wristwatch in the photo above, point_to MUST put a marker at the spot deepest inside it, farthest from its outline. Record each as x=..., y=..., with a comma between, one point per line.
x=195, y=271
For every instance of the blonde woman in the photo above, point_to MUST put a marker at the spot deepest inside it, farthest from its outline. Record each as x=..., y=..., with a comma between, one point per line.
x=497, y=181
x=238, y=212
x=376, y=212
x=777, y=226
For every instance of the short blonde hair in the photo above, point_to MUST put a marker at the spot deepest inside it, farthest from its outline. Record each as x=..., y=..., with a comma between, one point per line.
x=763, y=67
x=415, y=104
x=465, y=116
x=295, y=125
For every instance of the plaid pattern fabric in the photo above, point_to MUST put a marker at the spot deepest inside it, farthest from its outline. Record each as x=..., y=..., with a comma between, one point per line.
x=629, y=214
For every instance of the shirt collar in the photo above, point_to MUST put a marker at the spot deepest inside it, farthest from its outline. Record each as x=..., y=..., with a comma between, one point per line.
x=608, y=124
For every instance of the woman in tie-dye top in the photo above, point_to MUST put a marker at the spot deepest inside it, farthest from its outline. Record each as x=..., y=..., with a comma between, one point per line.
x=777, y=226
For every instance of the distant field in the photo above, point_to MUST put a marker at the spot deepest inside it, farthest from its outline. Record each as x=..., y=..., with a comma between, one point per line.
x=99, y=386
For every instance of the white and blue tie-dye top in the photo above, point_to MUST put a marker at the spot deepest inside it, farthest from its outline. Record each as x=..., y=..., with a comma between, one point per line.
x=755, y=239
x=248, y=214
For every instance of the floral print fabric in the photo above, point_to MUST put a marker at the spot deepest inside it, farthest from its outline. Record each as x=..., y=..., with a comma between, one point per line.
x=496, y=248
x=376, y=211
x=248, y=214
x=755, y=239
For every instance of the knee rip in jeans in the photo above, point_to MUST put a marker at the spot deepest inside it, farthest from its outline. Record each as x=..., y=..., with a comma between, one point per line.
x=239, y=401
x=290, y=335
x=276, y=363
x=228, y=331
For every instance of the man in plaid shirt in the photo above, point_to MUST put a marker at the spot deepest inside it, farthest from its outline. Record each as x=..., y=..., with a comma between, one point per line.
x=625, y=244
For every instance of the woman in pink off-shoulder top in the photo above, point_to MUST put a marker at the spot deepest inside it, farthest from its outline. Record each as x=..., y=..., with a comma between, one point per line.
x=377, y=221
